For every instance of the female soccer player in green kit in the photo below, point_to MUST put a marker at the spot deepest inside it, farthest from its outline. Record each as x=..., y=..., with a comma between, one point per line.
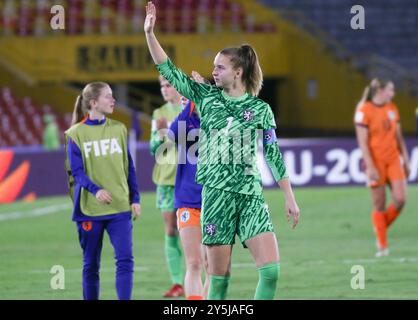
x=232, y=200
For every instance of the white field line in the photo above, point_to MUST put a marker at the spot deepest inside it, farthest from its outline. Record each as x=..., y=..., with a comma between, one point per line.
x=79, y=270
x=34, y=213
x=396, y=260
x=252, y=265
x=57, y=208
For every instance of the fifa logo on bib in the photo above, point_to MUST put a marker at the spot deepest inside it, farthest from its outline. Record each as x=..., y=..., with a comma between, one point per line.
x=102, y=147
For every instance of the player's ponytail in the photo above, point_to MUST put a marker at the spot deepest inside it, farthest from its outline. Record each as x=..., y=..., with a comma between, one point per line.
x=246, y=58
x=252, y=76
x=82, y=105
x=371, y=90
x=78, y=113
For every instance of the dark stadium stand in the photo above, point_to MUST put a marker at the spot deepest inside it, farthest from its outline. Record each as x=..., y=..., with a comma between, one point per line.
x=390, y=33
x=390, y=30
x=21, y=121
x=27, y=18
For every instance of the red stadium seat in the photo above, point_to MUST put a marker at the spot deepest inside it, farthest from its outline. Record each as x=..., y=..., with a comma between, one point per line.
x=27, y=17
x=21, y=122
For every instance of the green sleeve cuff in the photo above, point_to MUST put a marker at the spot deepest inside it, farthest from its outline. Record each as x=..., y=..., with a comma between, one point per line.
x=155, y=142
x=274, y=159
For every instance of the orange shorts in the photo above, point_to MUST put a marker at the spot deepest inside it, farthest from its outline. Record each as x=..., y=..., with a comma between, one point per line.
x=187, y=217
x=388, y=172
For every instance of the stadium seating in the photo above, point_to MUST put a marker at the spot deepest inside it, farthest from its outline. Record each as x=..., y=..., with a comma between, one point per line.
x=21, y=121
x=31, y=17
x=390, y=26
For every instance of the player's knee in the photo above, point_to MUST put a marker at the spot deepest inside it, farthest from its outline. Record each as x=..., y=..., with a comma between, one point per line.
x=206, y=264
x=125, y=264
x=219, y=271
x=194, y=265
x=379, y=206
x=91, y=269
x=170, y=223
x=269, y=272
x=171, y=230
x=399, y=201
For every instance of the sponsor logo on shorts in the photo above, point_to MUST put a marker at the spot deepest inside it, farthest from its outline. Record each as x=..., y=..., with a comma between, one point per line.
x=185, y=216
x=210, y=229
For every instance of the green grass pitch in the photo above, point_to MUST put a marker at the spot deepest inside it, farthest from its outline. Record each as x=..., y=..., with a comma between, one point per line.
x=334, y=234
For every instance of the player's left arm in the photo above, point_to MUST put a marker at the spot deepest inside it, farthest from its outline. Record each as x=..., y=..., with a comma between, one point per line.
x=134, y=197
x=402, y=148
x=272, y=154
x=274, y=159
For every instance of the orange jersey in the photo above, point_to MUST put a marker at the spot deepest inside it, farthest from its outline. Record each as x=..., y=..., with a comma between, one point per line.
x=382, y=122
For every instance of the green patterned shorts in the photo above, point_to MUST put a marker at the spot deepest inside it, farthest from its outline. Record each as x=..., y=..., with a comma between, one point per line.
x=165, y=198
x=225, y=214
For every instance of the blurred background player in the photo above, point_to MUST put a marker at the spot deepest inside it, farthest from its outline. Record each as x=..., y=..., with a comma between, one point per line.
x=163, y=176
x=51, y=136
x=232, y=201
x=379, y=135
x=105, y=193
x=188, y=200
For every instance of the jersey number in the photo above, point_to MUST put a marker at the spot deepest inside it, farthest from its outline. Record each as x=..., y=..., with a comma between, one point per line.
x=229, y=123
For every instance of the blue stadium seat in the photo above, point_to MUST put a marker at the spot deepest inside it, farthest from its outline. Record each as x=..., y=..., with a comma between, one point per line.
x=391, y=25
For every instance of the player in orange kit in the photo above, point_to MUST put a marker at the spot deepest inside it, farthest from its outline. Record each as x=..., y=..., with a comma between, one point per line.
x=385, y=155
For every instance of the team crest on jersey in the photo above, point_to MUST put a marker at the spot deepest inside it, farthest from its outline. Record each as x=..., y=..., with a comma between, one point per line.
x=210, y=229
x=359, y=116
x=248, y=115
x=185, y=216
x=391, y=115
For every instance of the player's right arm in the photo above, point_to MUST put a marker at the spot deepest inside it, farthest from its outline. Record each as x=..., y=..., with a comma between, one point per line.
x=187, y=87
x=157, y=52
